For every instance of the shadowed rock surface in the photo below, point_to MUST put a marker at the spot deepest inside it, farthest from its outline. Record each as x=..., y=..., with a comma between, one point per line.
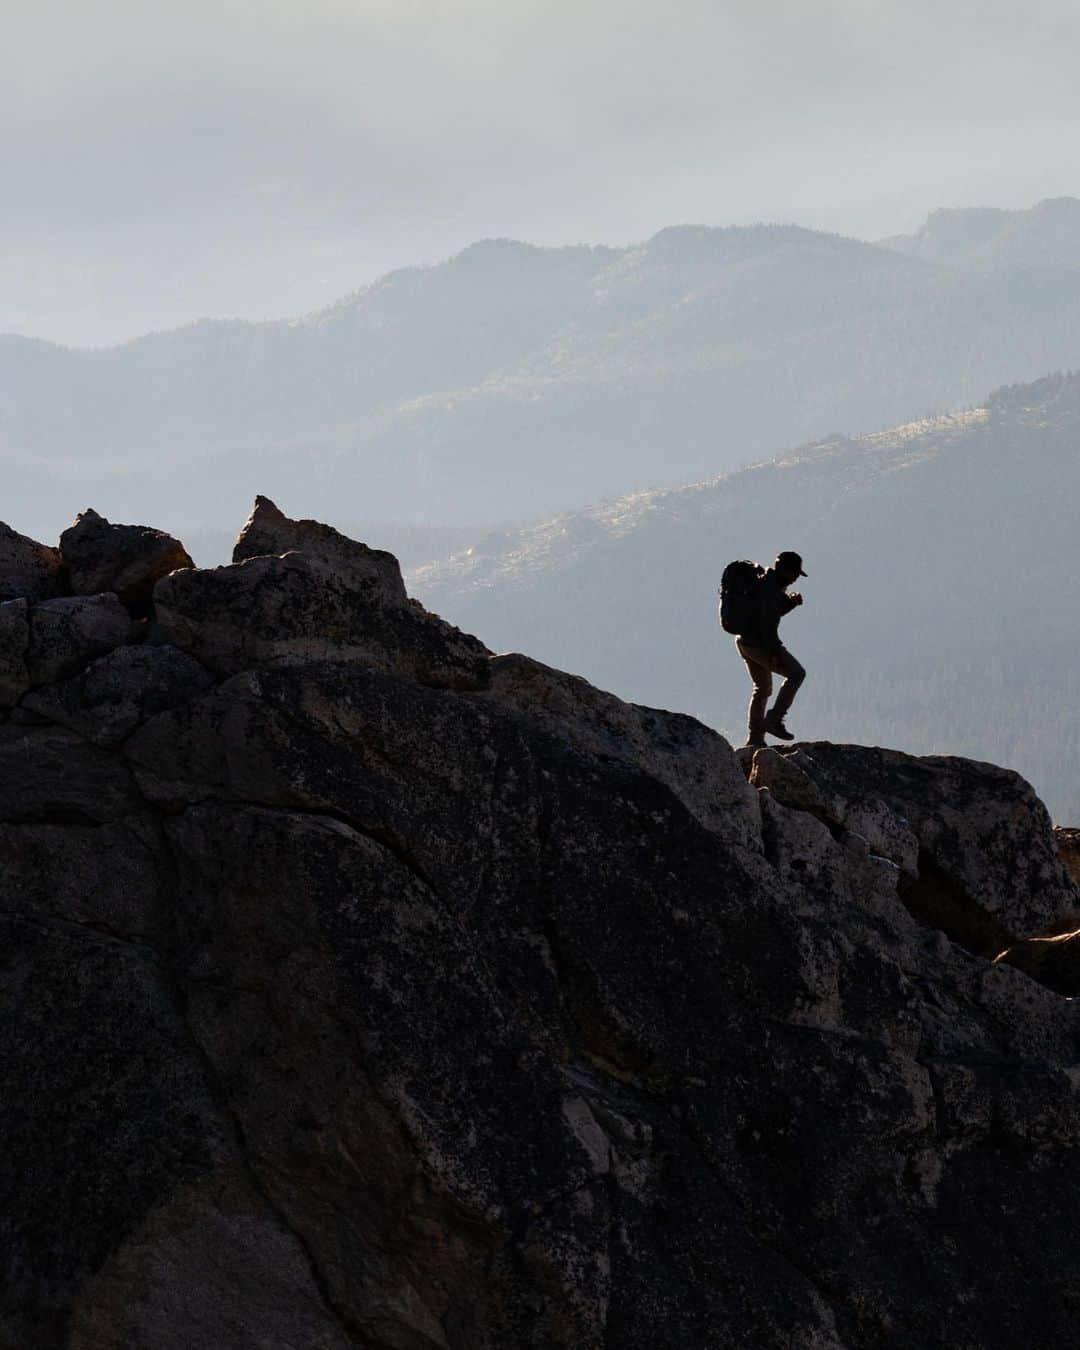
x=366, y=990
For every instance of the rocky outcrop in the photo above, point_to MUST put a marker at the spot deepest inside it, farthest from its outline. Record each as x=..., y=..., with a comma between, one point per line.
x=125, y=559
x=298, y=608
x=974, y=845
x=28, y=570
x=368, y=990
x=371, y=573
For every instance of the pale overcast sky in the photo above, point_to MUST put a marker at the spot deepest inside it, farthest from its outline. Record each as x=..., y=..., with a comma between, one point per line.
x=166, y=159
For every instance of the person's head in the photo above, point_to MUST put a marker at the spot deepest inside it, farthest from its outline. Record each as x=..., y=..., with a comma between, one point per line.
x=788, y=567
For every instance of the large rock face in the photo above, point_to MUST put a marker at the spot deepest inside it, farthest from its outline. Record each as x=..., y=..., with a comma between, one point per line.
x=367, y=990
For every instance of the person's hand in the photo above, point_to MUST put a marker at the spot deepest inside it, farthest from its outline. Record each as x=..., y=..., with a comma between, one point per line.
x=795, y=597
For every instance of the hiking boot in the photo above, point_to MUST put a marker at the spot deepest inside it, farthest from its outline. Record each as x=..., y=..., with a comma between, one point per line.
x=775, y=727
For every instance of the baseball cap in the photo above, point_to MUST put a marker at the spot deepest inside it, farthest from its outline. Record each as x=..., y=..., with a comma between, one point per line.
x=792, y=561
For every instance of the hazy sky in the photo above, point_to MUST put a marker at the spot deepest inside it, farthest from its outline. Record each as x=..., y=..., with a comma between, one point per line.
x=166, y=159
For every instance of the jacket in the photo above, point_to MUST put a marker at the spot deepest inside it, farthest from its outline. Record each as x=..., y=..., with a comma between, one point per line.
x=773, y=602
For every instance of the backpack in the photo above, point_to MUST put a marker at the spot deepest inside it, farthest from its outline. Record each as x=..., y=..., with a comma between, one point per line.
x=738, y=596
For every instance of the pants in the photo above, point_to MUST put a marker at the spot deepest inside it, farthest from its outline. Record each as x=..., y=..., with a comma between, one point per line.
x=762, y=665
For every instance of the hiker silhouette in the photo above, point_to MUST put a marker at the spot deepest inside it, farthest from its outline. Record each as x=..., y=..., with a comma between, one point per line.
x=753, y=600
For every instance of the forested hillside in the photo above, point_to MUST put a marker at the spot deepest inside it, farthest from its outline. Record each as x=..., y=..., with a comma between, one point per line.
x=941, y=605
x=511, y=381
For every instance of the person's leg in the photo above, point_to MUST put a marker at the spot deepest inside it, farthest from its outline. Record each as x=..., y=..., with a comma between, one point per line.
x=761, y=678
x=783, y=663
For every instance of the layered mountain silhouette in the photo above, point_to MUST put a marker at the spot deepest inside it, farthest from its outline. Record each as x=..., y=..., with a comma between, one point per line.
x=511, y=380
x=940, y=609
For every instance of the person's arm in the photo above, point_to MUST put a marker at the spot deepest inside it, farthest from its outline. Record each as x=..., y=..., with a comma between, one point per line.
x=792, y=601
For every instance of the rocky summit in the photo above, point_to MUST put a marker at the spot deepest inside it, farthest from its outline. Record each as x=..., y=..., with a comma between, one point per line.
x=364, y=989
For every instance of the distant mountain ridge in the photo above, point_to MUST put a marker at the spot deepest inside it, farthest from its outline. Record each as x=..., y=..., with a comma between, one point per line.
x=941, y=607
x=512, y=381
x=1044, y=235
